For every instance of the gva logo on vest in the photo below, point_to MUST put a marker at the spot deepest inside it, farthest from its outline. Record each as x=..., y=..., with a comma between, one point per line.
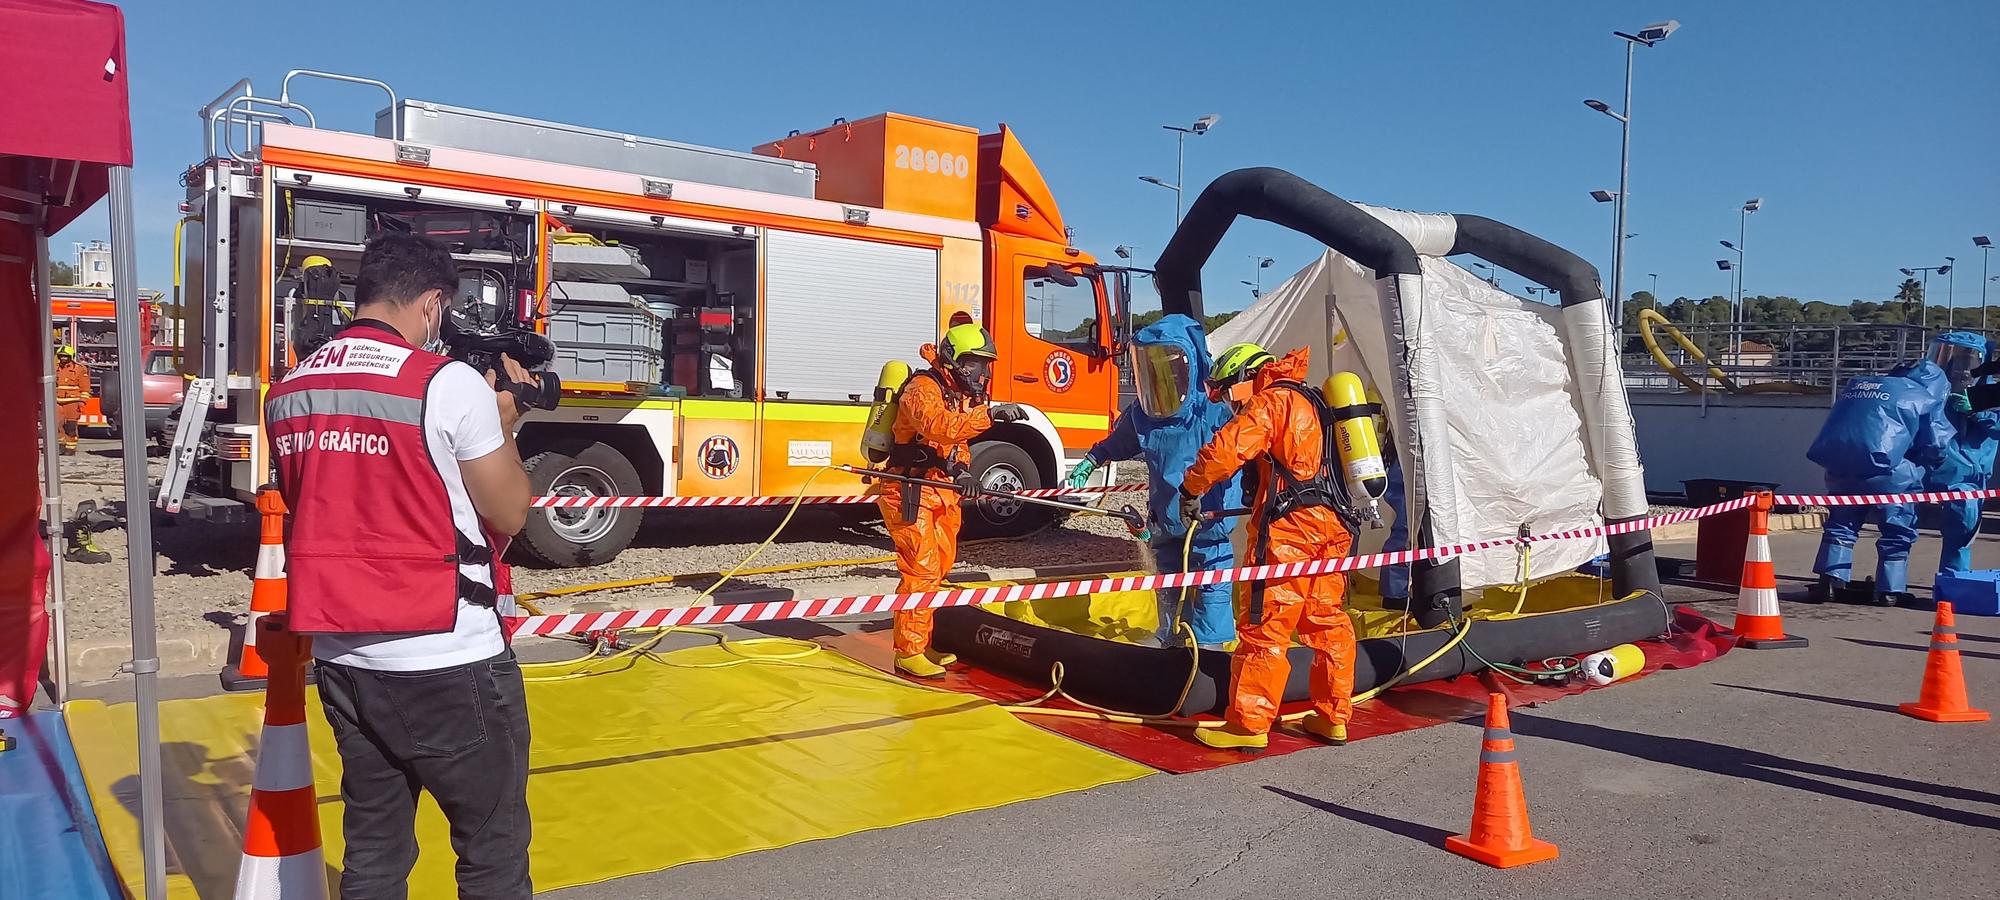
x=352, y=356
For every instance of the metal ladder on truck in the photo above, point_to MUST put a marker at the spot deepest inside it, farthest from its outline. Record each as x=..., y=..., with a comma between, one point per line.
x=187, y=444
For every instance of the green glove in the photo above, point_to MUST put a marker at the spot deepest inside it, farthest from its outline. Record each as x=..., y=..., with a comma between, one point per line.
x=1080, y=475
x=1959, y=403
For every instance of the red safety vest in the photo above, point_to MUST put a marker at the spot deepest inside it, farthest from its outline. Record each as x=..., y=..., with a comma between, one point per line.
x=373, y=547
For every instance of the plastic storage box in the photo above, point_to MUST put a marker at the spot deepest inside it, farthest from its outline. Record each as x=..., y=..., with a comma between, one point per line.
x=606, y=365
x=1975, y=593
x=566, y=294
x=318, y=220
x=636, y=328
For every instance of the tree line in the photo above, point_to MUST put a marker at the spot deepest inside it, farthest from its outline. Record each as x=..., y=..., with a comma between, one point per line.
x=1905, y=308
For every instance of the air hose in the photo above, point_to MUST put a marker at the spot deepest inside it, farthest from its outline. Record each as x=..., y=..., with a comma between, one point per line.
x=1461, y=628
x=583, y=666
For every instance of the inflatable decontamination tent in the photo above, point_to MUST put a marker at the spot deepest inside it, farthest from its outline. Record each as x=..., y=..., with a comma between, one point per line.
x=1506, y=415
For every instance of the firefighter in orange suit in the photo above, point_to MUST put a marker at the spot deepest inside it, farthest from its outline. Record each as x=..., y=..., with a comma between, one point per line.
x=937, y=411
x=72, y=389
x=1278, y=427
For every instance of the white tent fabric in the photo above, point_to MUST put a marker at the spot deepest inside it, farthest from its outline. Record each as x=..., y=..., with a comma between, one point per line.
x=1515, y=433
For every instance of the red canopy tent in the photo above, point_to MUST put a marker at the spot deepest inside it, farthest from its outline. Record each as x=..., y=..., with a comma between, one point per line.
x=65, y=143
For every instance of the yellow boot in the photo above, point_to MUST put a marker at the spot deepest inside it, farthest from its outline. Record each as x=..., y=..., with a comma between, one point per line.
x=942, y=659
x=1323, y=728
x=1228, y=738
x=920, y=665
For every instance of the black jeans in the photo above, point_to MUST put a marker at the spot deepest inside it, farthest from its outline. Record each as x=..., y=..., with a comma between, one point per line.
x=460, y=733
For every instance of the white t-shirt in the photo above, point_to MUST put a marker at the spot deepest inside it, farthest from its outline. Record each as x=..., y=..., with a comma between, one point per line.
x=461, y=422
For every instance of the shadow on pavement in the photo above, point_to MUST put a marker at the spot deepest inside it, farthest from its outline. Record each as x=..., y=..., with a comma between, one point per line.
x=1753, y=765
x=1424, y=834
x=1972, y=637
x=1920, y=648
x=1837, y=701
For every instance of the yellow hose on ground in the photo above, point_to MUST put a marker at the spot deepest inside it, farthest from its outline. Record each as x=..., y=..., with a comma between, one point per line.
x=584, y=666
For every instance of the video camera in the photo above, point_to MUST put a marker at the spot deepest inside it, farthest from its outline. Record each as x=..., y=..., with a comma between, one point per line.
x=534, y=352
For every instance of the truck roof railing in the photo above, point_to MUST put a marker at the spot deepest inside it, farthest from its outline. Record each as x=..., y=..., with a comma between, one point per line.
x=240, y=106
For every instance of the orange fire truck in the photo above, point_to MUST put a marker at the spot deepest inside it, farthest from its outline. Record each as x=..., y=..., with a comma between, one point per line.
x=86, y=319
x=720, y=317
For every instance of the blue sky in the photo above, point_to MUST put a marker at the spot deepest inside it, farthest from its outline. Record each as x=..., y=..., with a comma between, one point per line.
x=1872, y=131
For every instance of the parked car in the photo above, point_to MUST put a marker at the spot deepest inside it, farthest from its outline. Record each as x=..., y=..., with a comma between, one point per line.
x=164, y=388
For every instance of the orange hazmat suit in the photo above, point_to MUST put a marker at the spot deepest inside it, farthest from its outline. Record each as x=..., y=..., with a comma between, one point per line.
x=1281, y=427
x=72, y=390
x=927, y=544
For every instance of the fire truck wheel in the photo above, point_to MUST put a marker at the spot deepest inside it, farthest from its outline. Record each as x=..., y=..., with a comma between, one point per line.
x=567, y=538
x=1000, y=466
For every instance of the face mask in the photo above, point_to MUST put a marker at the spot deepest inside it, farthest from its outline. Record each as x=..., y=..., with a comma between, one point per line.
x=435, y=343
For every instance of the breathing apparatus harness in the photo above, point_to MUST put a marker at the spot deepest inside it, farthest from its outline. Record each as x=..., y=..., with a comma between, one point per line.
x=916, y=457
x=1289, y=493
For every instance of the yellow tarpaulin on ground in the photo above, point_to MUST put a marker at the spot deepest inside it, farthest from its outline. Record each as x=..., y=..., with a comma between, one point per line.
x=631, y=772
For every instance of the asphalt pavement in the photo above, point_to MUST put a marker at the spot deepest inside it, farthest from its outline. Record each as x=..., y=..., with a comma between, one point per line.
x=1768, y=774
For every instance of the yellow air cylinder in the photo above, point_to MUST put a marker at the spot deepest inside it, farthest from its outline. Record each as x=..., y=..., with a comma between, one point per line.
x=1618, y=662
x=880, y=433
x=1354, y=431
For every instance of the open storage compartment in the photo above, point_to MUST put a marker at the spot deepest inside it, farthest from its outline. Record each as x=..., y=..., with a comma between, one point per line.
x=668, y=302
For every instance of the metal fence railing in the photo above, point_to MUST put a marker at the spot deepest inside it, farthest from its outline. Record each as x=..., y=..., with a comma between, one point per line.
x=1818, y=356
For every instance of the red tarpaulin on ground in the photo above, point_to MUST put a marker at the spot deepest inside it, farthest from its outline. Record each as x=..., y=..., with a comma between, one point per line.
x=64, y=120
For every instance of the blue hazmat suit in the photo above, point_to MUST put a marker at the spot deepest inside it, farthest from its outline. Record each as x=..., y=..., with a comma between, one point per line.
x=1396, y=579
x=1168, y=446
x=1879, y=437
x=1967, y=465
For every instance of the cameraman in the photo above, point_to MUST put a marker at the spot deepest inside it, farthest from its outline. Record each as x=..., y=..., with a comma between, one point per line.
x=398, y=463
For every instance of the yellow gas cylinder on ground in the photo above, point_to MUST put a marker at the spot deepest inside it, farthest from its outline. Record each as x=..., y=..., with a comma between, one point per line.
x=1609, y=666
x=880, y=434
x=1360, y=448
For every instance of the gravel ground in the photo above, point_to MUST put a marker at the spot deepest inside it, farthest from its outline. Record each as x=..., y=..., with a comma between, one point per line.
x=202, y=577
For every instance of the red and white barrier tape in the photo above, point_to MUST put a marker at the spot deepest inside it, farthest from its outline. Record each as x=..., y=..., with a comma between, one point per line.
x=705, y=502
x=1879, y=499
x=574, y=623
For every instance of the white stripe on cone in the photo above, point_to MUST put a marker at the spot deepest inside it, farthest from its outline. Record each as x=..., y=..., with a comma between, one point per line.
x=1760, y=549
x=250, y=630
x=270, y=562
x=284, y=759
x=1758, y=602
x=301, y=876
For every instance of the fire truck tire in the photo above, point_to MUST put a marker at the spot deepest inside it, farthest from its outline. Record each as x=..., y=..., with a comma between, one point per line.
x=568, y=538
x=1000, y=466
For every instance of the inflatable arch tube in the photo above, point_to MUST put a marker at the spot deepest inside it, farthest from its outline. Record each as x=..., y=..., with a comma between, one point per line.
x=1389, y=242
x=1147, y=680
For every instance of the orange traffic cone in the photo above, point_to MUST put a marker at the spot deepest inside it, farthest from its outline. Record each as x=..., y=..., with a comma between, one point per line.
x=1500, y=836
x=267, y=594
x=1942, y=698
x=281, y=848
x=1759, y=625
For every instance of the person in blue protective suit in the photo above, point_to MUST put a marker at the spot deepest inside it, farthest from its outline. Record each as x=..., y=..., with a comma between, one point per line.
x=1881, y=434
x=1171, y=420
x=1967, y=464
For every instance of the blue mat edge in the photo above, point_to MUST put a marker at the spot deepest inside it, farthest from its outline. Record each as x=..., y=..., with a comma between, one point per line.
x=78, y=856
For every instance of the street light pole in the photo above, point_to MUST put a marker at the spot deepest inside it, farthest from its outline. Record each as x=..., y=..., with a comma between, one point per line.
x=1649, y=35
x=1200, y=126
x=1985, y=245
x=1950, y=293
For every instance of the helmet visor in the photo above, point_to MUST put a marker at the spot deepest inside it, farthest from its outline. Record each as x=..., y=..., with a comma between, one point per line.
x=1163, y=378
x=1957, y=361
x=975, y=373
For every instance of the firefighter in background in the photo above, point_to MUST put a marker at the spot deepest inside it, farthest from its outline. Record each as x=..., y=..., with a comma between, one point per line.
x=72, y=389
x=1879, y=437
x=1277, y=427
x=937, y=411
x=1967, y=462
x=1171, y=419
